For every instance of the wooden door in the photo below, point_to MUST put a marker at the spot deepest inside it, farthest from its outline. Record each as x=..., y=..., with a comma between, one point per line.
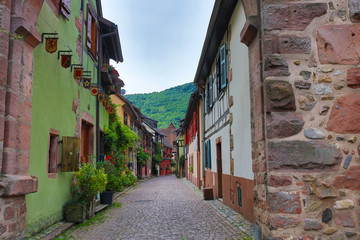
x=85, y=142
x=219, y=168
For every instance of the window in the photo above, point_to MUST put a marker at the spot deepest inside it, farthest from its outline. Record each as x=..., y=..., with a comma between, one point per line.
x=65, y=8
x=211, y=91
x=53, y=152
x=223, y=67
x=91, y=32
x=125, y=118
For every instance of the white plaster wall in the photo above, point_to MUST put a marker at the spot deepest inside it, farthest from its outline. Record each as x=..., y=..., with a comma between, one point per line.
x=225, y=150
x=240, y=90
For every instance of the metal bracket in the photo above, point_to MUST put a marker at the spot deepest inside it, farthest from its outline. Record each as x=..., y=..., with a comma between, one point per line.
x=67, y=51
x=76, y=65
x=60, y=142
x=50, y=34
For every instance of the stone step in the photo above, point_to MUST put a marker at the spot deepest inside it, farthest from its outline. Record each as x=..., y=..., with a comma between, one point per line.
x=100, y=207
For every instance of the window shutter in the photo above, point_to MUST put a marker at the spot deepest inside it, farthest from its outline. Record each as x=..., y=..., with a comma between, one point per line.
x=207, y=98
x=217, y=74
x=223, y=66
x=211, y=92
x=88, y=29
x=205, y=164
x=65, y=8
x=209, y=153
x=70, y=154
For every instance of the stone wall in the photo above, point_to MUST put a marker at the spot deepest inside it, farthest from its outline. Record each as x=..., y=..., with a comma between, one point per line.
x=306, y=119
x=17, y=18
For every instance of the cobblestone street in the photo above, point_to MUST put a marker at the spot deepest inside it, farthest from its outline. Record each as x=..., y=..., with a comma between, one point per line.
x=166, y=208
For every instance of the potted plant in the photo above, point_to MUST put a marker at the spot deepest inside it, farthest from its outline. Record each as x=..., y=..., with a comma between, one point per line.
x=114, y=182
x=88, y=182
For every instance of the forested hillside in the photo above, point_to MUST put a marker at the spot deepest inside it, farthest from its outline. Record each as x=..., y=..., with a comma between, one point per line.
x=168, y=106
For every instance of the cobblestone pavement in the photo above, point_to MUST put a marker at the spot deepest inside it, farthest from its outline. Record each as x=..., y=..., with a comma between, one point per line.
x=162, y=208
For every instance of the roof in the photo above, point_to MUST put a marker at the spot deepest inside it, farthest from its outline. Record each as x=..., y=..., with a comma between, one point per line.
x=167, y=144
x=194, y=99
x=111, y=43
x=218, y=25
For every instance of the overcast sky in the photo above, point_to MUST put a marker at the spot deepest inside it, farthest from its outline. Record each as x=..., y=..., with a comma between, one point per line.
x=161, y=40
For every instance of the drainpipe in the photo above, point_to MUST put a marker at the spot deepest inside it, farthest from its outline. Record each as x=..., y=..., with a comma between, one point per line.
x=97, y=128
x=203, y=132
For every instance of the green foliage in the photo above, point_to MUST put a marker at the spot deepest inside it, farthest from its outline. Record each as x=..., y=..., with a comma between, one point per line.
x=12, y=35
x=118, y=136
x=168, y=106
x=128, y=178
x=181, y=159
x=142, y=157
x=158, y=157
x=191, y=168
x=89, y=182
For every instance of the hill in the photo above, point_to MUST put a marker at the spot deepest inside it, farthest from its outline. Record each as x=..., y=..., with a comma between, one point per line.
x=168, y=106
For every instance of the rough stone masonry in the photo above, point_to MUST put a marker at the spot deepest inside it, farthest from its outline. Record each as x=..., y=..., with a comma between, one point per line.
x=305, y=90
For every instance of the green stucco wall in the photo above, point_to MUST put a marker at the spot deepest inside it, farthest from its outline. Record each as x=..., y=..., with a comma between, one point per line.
x=54, y=90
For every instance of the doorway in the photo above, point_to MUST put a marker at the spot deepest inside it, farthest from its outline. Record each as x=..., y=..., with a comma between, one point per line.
x=86, y=141
x=219, y=169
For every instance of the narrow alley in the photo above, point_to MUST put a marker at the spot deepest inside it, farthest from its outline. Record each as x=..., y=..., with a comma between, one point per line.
x=166, y=208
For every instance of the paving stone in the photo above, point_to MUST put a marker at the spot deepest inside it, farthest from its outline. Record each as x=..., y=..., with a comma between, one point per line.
x=167, y=208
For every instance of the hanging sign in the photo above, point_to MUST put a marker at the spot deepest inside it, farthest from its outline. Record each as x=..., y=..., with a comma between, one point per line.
x=51, y=45
x=94, y=90
x=111, y=111
x=78, y=72
x=101, y=97
x=66, y=61
x=108, y=107
x=86, y=83
x=104, y=103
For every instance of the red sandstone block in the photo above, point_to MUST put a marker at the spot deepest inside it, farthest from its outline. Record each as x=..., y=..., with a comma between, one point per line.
x=3, y=70
x=36, y=4
x=283, y=202
x=231, y=101
x=258, y=105
x=283, y=222
x=11, y=131
x=254, y=51
x=15, y=76
x=25, y=110
x=24, y=159
x=24, y=136
x=271, y=44
x=258, y=130
x=27, y=84
x=280, y=181
x=12, y=105
x=6, y=3
x=2, y=101
x=248, y=33
x=9, y=213
x=15, y=51
x=345, y=218
x=353, y=77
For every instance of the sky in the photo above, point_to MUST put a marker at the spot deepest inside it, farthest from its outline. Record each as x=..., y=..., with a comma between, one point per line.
x=161, y=41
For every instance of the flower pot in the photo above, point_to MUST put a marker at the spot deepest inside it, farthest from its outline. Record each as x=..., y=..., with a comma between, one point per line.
x=106, y=197
x=75, y=212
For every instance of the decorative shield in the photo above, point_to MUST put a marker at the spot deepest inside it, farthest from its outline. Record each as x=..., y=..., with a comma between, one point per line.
x=86, y=83
x=66, y=61
x=94, y=90
x=101, y=97
x=104, y=103
x=111, y=111
x=78, y=73
x=51, y=45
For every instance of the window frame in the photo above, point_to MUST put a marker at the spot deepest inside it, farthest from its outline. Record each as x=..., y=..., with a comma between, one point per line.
x=92, y=32
x=53, y=153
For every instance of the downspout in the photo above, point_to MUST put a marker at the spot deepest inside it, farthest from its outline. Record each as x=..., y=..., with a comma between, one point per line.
x=97, y=128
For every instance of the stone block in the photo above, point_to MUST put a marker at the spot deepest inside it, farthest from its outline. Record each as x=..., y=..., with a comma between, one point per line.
x=283, y=202
x=339, y=44
x=283, y=125
x=303, y=155
x=12, y=105
x=16, y=185
x=11, y=134
x=294, y=44
x=345, y=218
x=271, y=44
x=302, y=84
x=354, y=7
x=276, y=65
x=353, y=77
x=312, y=224
x=279, y=181
x=284, y=16
x=280, y=96
x=348, y=179
x=283, y=222
x=249, y=32
x=345, y=115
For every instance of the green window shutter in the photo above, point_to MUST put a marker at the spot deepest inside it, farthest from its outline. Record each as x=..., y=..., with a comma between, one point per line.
x=205, y=156
x=211, y=92
x=223, y=66
x=209, y=152
x=207, y=97
x=70, y=154
x=217, y=76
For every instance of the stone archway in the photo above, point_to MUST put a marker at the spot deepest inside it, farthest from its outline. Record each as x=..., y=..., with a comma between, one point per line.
x=17, y=18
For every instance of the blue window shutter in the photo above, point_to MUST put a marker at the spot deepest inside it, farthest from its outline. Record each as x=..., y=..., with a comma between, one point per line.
x=205, y=156
x=211, y=92
x=223, y=66
x=207, y=98
x=218, y=85
x=209, y=152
